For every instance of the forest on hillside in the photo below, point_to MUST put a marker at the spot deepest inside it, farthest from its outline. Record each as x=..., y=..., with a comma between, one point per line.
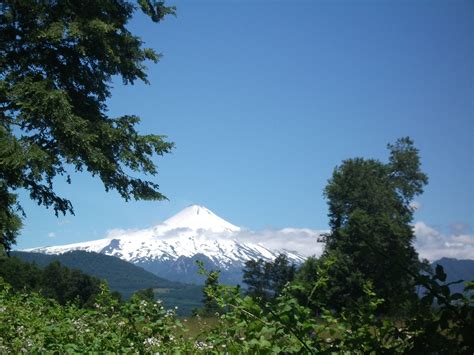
x=121, y=277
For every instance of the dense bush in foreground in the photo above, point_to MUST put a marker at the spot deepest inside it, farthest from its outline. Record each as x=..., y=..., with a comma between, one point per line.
x=32, y=323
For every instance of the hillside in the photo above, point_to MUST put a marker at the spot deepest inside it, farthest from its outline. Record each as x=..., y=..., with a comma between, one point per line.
x=122, y=276
x=456, y=270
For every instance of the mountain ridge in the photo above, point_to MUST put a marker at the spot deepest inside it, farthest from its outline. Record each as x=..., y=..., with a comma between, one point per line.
x=456, y=270
x=169, y=249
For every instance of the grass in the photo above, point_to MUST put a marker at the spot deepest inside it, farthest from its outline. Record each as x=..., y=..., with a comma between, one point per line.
x=196, y=325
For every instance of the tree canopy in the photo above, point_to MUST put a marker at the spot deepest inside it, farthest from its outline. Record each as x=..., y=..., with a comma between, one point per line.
x=57, y=61
x=371, y=236
x=266, y=280
x=55, y=281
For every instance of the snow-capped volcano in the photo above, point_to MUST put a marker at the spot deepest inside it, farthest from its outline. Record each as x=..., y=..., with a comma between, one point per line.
x=198, y=217
x=170, y=248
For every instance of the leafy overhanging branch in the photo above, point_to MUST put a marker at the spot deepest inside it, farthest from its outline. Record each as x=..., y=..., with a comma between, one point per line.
x=57, y=61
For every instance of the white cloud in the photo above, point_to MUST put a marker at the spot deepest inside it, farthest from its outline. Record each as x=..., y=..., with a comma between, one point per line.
x=118, y=232
x=303, y=241
x=51, y=234
x=430, y=243
x=433, y=245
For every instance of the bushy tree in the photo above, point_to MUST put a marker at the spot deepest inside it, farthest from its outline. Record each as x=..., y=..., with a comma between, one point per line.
x=55, y=281
x=266, y=279
x=371, y=236
x=57, y=61
x=256, y=278
x=146, y=294
x=281, y=272
x=210, y=288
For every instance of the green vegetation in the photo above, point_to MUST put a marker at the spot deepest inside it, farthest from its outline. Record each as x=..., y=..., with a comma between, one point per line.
x=54, y=281
x=210, y=306
x=32, y=323
x=331, y=305
x=120, y=275
x=456, y=270
x=57, y=63
x=371, y=236
x=123, y=277
x=287, y=325
x=58, y=59
x=266, y=279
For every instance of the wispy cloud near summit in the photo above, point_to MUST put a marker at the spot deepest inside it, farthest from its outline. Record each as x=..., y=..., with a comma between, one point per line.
x=430, y=243
x=303, y=241
x=433, y=245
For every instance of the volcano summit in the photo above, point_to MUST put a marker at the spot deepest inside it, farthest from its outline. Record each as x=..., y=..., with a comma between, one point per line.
x=171, y=248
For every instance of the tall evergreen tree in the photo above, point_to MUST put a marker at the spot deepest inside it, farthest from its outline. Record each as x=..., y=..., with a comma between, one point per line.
x=266, y=279
x=57, y=60
x=256, y=277
x=370, y=214
x=210, y=290
x=281, y=272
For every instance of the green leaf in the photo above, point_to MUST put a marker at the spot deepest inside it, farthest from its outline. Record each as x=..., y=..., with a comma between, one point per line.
x=440, y=274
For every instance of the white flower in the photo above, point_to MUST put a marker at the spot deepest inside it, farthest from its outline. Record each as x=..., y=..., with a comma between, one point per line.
x=151, y=341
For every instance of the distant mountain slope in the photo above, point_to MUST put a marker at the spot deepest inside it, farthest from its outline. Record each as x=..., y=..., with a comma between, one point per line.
x=171, y=248
x=456, y=270
x=122, y=276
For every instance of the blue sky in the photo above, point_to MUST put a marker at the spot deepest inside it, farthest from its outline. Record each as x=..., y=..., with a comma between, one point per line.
x=264, y=98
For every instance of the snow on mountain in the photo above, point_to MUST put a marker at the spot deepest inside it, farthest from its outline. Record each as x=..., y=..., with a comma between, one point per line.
x=193, y=231
x=198, y=217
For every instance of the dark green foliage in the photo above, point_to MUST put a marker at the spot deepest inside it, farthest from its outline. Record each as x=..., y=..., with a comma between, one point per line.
x=146, y=294
x=290, y=327
x=281, y=272
x=20, y=274
x=210, y=289
x=120, y=275
x=446, y=328
x=123, y=277
x=65, y=285
x=337, y=283
x=266, y=279
x=57, y=61
x=256, y=279
x=456, y=270
x=307, y=271
x=370, y=215
x=186, y=298
x=30, y=323
x=55, y=281
x=10, y=221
